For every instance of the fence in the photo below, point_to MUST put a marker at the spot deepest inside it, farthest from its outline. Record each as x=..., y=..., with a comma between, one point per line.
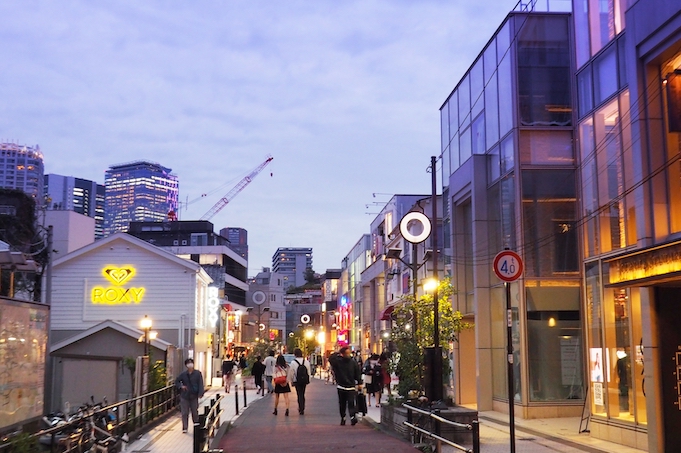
x=431, y=427
x=124, y=417
x=209, y=422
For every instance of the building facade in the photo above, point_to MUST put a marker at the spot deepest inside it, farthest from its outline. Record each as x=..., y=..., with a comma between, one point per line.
x=238, y=240
x=292, y=262
x=138, y=191
x=196, y=241
x=67, y=193
x=509, y=176
x=350, y=322
x=265, y=298
x=628, y=58
x=22, y=168
x=100, y=294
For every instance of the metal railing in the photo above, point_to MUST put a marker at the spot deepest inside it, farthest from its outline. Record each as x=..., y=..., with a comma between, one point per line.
x=209, y=423
x=130, y=416
x=435, y=433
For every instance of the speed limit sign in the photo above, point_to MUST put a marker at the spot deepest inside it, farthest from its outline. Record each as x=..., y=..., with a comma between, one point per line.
x=508, y=266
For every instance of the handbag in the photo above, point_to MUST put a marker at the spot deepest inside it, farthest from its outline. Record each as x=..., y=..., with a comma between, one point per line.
x=280, y=380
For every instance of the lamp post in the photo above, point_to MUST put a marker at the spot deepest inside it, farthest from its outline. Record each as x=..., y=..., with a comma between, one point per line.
x=436, y=380
x=146, y=325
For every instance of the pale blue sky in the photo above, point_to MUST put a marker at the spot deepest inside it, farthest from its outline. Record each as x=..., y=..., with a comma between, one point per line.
x=344, y=95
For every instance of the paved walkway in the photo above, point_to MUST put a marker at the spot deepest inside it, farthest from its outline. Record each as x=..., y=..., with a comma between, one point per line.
x=256, y=429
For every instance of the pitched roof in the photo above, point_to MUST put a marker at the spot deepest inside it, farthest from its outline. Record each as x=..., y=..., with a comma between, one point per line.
x=109, y=324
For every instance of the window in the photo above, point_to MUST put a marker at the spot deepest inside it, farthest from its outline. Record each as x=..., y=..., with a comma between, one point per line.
x=546, y=147
x=585, y=91
x=605, y=75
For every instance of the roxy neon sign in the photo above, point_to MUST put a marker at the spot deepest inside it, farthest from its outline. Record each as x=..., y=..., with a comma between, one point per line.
x=116, y=294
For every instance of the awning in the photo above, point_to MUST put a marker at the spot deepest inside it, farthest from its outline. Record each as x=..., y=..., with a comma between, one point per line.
x=385, y=314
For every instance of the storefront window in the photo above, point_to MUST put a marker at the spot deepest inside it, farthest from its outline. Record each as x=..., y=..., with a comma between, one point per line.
x=618, y=359
x=554, y=343
x=637, y=359
x=597, y=367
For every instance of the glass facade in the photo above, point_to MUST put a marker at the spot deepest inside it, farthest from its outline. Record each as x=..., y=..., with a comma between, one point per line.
x=22, y=168
x=138, y=192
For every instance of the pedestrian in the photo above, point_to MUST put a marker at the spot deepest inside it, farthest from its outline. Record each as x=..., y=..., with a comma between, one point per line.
x=384, y=361
x=243, y=363
x=282, y=379
x=301, y=377
x=227, y=372
x=372, y=379
x=270, y=363
x=348, y=380
x=190, y=384
x=257, y=370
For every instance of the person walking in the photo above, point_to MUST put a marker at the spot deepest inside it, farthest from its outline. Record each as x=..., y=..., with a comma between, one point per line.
x=270, y=363
x=301, y=377
x=384, y=361
x=190, y=384
x=348, y=380
x=228, y=372
x=373, y=379
x=282, y=379
x=257, y=370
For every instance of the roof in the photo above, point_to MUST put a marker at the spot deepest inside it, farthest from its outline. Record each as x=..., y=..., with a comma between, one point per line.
x=109, y=324
x=125, y=237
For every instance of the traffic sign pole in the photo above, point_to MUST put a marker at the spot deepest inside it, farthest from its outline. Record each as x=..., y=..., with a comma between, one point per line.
x=509, y=267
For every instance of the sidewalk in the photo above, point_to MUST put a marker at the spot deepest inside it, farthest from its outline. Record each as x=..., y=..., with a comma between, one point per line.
x=167, y=437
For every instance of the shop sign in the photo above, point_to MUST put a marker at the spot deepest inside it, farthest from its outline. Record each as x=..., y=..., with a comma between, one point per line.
x=653, y=263
x=117, y=293
x=213, y=305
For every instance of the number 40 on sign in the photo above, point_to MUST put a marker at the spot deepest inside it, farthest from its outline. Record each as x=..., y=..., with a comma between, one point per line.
x=508, y=266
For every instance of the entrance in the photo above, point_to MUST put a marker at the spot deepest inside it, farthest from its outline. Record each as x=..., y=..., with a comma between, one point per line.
x=669, y=340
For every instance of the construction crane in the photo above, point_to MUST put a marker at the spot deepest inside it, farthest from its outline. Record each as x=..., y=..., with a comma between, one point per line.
x=235, y=190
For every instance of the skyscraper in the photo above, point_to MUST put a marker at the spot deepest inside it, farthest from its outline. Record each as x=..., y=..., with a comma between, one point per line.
x=67, y=193
x=137, y=192
x=291, y=263
x=21, y=168
x=238, y=240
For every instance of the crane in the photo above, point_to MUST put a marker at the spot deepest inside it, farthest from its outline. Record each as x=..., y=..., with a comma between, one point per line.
x=217, y=207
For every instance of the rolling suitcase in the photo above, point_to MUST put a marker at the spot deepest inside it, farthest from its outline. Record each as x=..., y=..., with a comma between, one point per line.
x=361, y=403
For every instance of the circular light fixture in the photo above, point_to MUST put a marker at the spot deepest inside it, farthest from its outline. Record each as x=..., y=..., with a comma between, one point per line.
x=259, y=297
x=305, y=319
x=415, y=227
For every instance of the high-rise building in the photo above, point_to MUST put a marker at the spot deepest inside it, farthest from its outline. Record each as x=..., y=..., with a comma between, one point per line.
x=238, y=240
x=67, y=193
x=22, y=168
x=138, y=192
x=291, y=263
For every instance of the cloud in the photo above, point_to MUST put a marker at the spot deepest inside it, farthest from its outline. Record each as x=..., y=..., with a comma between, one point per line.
x=345, y=95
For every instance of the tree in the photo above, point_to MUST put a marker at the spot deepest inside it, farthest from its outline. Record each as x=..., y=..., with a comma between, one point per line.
x=413, y=331
x=310, y=276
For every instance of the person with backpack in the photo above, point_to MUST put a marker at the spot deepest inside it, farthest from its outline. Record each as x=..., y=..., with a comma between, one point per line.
x=301, y=371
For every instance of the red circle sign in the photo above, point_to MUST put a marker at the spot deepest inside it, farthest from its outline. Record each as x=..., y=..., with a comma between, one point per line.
x=508, y=266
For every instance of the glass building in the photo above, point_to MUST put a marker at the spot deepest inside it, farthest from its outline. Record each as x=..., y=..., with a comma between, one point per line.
x=137, y=192
x=22, y=168
x=66, y=193
x=509, y=176
x=628, y=58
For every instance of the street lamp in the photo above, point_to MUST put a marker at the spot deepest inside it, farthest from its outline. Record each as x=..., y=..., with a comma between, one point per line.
x=146, y=323
x=436, y=371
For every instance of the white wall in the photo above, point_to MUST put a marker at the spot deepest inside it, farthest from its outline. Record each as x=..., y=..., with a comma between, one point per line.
x=71, y=231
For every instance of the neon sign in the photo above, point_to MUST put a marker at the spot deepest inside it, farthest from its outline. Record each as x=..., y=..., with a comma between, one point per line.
x=117, y=294
x=213, y=305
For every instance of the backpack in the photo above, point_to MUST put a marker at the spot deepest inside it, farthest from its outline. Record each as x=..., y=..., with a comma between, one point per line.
x=302, y=376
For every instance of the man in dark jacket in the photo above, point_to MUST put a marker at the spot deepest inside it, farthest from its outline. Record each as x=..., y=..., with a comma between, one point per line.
x=190, y=384
x=257, y=370
x=349, y=381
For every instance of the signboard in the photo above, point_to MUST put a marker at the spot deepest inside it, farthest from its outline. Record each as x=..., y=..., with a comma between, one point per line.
x=415, y=227
x=404, y=316
x=117, y=293
x=508, y=266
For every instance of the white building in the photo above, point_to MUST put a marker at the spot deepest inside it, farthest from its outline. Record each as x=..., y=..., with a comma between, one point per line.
x=101, y=292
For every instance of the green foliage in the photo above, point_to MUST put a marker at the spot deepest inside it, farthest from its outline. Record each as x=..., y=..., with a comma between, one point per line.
x=413, y=331
x=24, y=443
x=158, y=375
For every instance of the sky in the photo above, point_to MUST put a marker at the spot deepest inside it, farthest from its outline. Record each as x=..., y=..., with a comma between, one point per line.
x=345, y=95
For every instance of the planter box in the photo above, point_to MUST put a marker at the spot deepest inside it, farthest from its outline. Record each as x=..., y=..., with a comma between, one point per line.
x=393, y=418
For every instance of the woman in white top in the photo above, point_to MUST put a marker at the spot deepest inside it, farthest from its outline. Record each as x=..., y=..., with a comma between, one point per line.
x=281, y=379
